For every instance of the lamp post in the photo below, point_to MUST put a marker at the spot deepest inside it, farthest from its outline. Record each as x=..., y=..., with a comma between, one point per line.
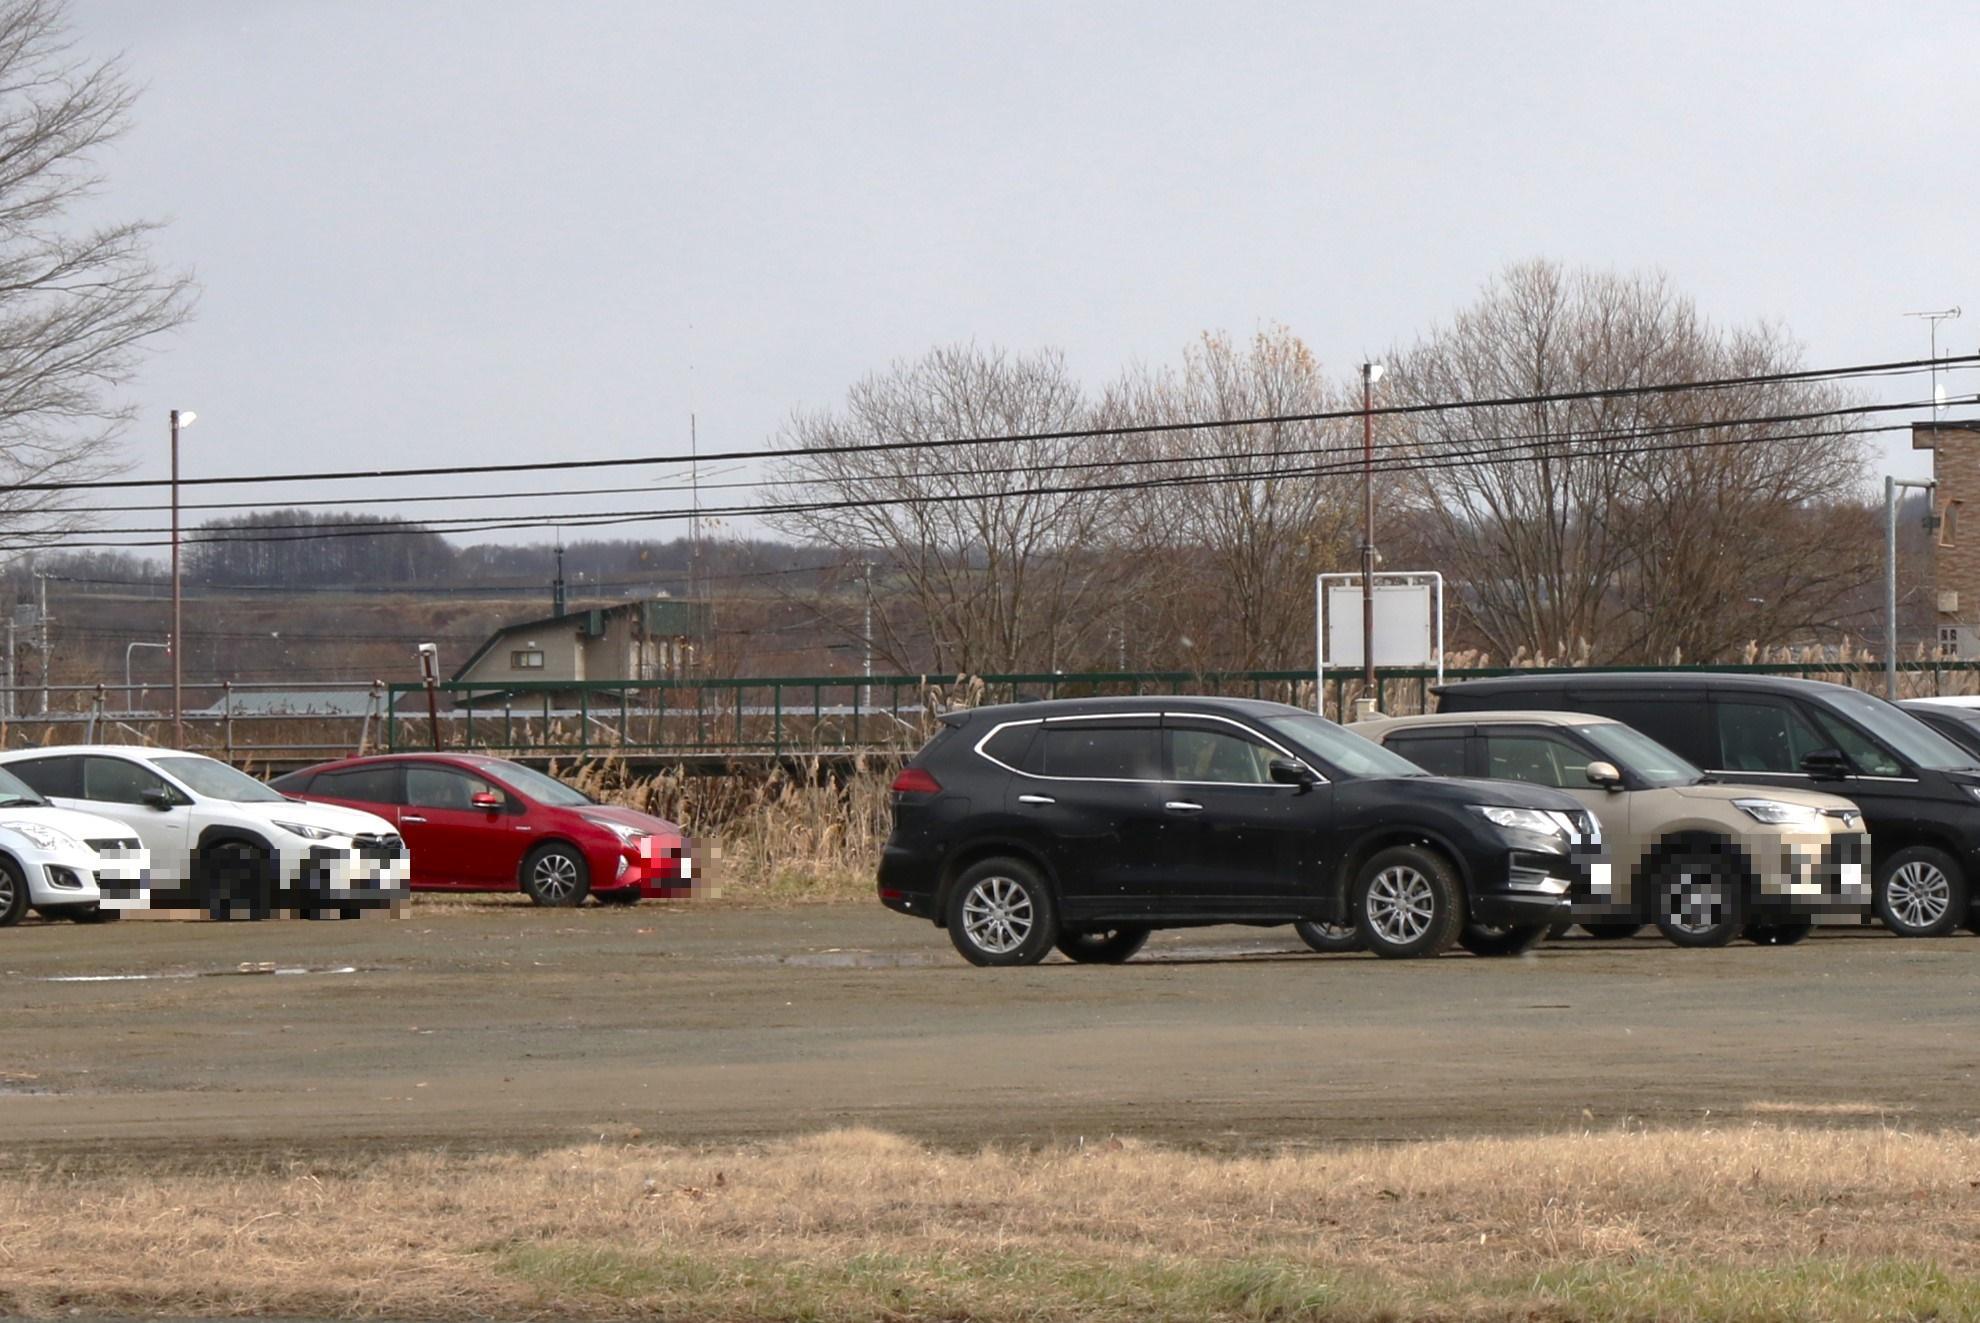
x=1370, y=374
x=1891, y=486
x=130, y=705
x=179, y=419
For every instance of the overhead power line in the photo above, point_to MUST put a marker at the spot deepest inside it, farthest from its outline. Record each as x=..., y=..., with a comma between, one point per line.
x=1852, y=372
x=535, y=519
x=1443, y=459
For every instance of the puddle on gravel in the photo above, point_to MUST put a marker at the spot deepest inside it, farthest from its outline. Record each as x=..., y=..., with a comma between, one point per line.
x=247, y=970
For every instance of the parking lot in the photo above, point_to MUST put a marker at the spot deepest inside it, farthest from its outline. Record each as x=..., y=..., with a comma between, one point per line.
x=492, y=1025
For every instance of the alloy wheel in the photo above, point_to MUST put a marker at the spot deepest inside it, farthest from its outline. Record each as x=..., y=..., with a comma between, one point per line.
x=556, y=876
x=997, y=915
x=1696, y=902
x=1918, y=894
x=1400, y=905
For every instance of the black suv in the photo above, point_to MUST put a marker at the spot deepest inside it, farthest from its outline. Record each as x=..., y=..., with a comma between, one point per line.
x=1085, y=823
x=1919, y=792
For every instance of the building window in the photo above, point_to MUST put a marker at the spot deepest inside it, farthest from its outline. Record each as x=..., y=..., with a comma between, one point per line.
x=526, y=659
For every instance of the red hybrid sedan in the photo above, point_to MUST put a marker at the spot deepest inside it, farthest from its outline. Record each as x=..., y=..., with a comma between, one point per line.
x=487, y=824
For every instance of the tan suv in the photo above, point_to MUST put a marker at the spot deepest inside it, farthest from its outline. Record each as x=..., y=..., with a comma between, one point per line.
x=1704, y=862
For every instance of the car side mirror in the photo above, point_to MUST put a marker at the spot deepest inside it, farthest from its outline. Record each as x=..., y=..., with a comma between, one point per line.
x=156, y=798
x=1605, y=775
x=486, y=800
x=1286, y=772
x=1826, y=764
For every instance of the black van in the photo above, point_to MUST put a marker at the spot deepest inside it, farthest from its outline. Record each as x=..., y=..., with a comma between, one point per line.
x=1919, y=792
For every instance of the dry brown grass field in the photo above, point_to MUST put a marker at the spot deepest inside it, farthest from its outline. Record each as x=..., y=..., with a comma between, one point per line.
x=1750, y=1221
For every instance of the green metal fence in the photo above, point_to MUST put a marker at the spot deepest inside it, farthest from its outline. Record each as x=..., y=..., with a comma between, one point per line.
x=791, y=716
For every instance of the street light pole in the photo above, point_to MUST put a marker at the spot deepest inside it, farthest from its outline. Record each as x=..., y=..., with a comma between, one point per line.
x=1891, y=486
x=179, y=419
x=130, y=706
x=1370, y=374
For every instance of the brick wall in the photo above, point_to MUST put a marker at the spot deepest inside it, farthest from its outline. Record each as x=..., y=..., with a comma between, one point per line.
x=1955, y=448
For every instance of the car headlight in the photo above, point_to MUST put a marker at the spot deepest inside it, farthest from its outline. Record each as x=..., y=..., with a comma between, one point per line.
x=627, y=835
x=1537, y=821
x=1777, y=814
x=307, y=832
x=44, y=835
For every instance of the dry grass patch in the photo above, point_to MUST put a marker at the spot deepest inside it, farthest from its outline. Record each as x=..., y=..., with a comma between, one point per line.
x=1753, y=1223
x=776, y=834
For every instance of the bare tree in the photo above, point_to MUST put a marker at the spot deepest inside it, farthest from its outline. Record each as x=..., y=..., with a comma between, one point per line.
x=997, y=574
x=1630, y=527
x=77, y=304
x=1240, y=523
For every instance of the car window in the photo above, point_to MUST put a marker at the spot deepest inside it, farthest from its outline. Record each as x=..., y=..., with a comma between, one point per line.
x=1888, y=726
x=1956, y=727
x=1642, y=757
x=216, y=780
x=1102, y=750
x=1013, y=745
x=1763, y=737
x=1681, y=724
x=1218, y=755
x=58, y=778
x=1440, y=753
x=1536, y=758
x=1870, y=758
x=366, y=785
x=118, y=781
x=445, y=788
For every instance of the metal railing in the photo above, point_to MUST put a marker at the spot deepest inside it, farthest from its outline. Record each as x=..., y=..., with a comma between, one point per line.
x=248, y=724
x=787, y=716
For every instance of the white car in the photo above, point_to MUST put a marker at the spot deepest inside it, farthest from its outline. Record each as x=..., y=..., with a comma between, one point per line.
x=65, y=864
x=221, y=840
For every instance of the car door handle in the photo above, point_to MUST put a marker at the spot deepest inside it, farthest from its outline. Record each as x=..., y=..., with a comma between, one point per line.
x=1183, y=806
x=1036, y=799
x=410, y=817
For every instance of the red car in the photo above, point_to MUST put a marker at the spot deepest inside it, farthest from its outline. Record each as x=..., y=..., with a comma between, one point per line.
x=487, y=824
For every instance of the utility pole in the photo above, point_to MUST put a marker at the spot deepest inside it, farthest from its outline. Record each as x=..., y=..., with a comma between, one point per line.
x=11, y=710
x=1370, y=374
x=694, y=512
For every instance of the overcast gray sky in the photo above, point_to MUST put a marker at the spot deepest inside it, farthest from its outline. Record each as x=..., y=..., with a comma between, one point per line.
x=504, y=231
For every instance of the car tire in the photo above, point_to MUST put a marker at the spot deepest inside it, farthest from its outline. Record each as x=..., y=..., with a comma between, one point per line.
x=1920, y=891
x=1329, y=938
x=1612, y=932
x=231, y=870
x=1001, y=913
x=1104, y=946
x=1486, y=939
x=1696, y=900
x=556, y=876
x=13, y=894
x=1785, y=932
x=1408, y=902
x=623, y=896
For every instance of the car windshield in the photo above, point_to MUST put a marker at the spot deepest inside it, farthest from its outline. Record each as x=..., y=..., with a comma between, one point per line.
x=216, y=780
x=543, y=789
x=1347, y=753
x=15, y=792
x=1645, y=759
x=1900, y=732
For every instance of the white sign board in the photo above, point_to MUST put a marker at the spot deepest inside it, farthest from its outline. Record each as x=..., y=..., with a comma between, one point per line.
x=1405, y=625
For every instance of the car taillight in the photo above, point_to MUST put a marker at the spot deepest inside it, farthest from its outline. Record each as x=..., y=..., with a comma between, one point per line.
x=916, y=781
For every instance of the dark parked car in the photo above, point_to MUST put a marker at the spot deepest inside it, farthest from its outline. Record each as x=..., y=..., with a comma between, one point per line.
x=1083, y=824
x=1919, y=792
